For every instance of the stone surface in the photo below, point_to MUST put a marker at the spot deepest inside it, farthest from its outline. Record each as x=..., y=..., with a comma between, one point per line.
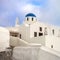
x=33, y=53
x=4, y=56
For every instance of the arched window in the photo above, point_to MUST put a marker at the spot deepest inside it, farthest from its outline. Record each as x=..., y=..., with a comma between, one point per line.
x=20, y=36
x=27, y=18
x=40, y=28
x=53, y=31
x=51, y=46
x=32, y=19
x=35, y=34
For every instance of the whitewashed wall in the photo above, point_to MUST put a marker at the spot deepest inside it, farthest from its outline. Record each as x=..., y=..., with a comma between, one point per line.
x=55, y=41
x=29, y=20
x=4, y=38
x=25, y=32
x=35, y=53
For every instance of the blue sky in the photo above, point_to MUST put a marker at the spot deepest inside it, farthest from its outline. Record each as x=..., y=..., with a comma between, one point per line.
x=47, y=11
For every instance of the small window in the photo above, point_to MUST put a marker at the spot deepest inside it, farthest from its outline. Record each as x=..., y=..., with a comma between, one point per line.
x=51, y=46
x=53, y=31
x=40, y=29
x=20, y=36
x=45, y=31
x=15, y=35
x=27, y=18
x=32, y=19
x=35, y=34
x=40, y=34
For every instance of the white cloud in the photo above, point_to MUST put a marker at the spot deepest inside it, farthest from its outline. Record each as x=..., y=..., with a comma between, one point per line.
x=51, y=12
x=47, y=13
x=29, y=8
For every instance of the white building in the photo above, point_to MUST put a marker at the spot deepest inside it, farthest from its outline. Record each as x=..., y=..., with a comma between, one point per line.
x=34, y=31
x=4, y=39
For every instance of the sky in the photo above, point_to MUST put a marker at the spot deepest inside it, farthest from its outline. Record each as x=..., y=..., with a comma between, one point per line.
x=47, y=11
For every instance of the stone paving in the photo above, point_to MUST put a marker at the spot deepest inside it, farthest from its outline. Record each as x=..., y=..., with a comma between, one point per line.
x=5, y=56
x=35, y=53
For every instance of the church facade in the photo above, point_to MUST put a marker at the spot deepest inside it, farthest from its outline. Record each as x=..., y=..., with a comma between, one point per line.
x=34, y=31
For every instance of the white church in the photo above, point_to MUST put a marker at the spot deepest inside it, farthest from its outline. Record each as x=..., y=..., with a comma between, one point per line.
x=34, y=31
x=31, y=40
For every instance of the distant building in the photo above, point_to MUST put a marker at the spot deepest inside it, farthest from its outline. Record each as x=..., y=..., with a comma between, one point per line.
x=34, y=31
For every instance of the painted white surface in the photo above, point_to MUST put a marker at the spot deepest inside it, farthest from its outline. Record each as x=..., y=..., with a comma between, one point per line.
x=35, y=53
x=4, y=39
x=30, y=20
x=55, y=41
x=14, y=41
x=27, y=29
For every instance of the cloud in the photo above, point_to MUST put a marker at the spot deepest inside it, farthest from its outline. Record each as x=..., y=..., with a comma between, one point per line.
x=29, y=8
x=19, y=7
x=51, y=12
x=46, y=11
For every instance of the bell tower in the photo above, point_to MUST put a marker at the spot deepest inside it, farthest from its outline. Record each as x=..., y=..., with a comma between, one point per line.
x=17, y=21
x=30, y=18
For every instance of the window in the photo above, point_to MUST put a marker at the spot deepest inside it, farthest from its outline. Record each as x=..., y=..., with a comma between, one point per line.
x=51, y=46
x=45, y=31
x=15, y=34
x=27, y=18
x=40, y=34
x=53, y=31
x=35, y=34
x=20, y=36
x=40, y=29
x=32, y=19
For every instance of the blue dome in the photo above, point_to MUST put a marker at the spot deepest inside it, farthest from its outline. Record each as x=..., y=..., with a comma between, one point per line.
x=30, y=14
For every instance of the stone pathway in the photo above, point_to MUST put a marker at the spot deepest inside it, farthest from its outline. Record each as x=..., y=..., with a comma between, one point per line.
x=5, y=56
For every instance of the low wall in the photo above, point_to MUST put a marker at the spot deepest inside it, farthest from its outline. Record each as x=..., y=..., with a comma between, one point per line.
x=35, y=53
x=15, y=41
